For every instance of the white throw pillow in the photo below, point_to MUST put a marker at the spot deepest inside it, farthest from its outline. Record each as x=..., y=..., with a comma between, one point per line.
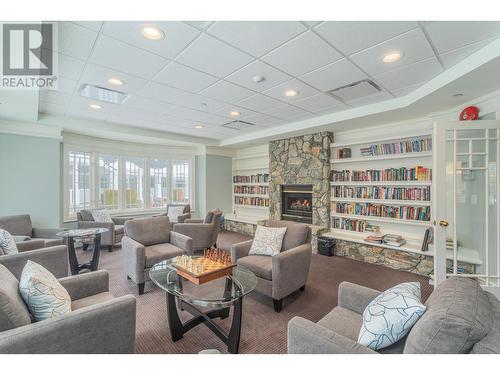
x=390, y=316
x=43, y=293
x=101, y=215
x=7, y=244
x=174, y=212
x=267, y=240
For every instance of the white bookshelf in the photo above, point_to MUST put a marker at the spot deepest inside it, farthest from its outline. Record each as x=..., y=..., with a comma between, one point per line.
x=412, y=230
x=250, y=161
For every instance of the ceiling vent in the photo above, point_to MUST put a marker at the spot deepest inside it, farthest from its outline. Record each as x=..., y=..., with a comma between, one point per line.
x=102, y=94
x=355, y=90
x=238, y=125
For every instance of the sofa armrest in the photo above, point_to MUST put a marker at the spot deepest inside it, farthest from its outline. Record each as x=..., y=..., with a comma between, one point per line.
x=120, y=220
x=104, y=328
x=202, y=234
x=134, y=259
x=194, y=221
x=30, y=245
x=46, y=232
x=240, y=250
x=182, y=241
x=290, y=270
x=86, y=284
x=355, y=297
x=306, y=337
x=182, y=218
x=54, y=259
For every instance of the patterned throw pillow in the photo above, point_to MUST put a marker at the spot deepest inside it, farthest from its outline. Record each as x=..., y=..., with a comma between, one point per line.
x=267, y=241
x=174, y=212
x=390, y=316
x=42, y=293
x=101, y=215
x=7, y=244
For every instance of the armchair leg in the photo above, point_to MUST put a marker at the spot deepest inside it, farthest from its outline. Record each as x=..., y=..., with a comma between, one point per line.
x=278, y=304
x=128, y=278
x=302, y=288
x=141, y=288
x=110, y=248
x=85, y=246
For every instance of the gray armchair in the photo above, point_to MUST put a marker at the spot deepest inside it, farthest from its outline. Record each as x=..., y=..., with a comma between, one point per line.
x=21, y=228
x=115, y=229
x=147, y=242
x=282, y=274
x=174, y=209
x=204, y=232
x=460, y=318
x=97, y=324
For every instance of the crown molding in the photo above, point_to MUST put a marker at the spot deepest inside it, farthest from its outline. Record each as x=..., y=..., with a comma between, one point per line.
x=30, y=129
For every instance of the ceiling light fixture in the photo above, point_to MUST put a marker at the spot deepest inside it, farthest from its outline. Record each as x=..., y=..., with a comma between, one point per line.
x=458, y=95
x=234, y=113
x=199, y=126
x=291, y=93
x=152, y=32
x=258, y=79
x=115, y=81
x=95, y=106
x=392, y=57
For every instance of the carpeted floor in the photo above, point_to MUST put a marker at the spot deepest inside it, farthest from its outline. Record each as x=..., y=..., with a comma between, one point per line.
x=263, y=330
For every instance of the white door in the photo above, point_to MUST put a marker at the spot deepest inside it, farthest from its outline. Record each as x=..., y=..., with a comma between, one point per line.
x=466, y=211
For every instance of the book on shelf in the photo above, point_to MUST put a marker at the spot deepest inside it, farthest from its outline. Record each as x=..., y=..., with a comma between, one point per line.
x=393, y=240
x=255, y=178
x=382, y=192
x=420, y=213
x=418, y=173
x=343, y=153
x=374, y=238
x=401, y=147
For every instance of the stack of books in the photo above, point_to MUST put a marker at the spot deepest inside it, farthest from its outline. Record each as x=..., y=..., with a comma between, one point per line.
x=374, y=238
x=393, y=240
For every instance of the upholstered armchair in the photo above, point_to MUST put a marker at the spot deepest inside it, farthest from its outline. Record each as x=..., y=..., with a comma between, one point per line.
x=203, y=231
x=284, y=273
x=22, y=230
x=178, y=213
x=149, y=241
x=115, y=229
x=98, y=322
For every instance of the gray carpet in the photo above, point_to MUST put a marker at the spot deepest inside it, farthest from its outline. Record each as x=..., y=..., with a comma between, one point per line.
x=263, y=330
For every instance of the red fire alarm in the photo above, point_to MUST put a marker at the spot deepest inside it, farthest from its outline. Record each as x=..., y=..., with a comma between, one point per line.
x=469, y=113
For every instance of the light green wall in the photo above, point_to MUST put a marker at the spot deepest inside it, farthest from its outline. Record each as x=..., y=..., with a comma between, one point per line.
x=31, y=178
x=200, y=181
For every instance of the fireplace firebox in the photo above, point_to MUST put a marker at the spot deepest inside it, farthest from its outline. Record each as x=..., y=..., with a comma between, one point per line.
x=296, y=203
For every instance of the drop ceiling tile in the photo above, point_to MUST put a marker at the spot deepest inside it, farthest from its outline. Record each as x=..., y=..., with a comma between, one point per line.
x=450, y=35
x=244, y=76
x=75, y=40
x=413, y=45
x=87, y=114
x=259, y=103
x=405, y=91
x=375, y=98
x=51, y=108
x=334, y=75
x=69, y=67
x=353, y=36
x=92, y=25
x=178, y=35
x=278, y=92
x=184, y=77
x=420, y=72
x=197, y=116
x=67, y=85
x=329, y=111
x=318, y=103
x=55, y=97
x=453, y=57
x=200, y=24
x=303, y=54
x=175, y=121
x=151, y=105
x=288, y=112
x=126, y=58
x=256, y=37
x=212, y=56
x=244, y=112
x=82, y=103
x=227, y=92
x=134, y=113
x=261, y=119
x=98, y=75
x=311, y=23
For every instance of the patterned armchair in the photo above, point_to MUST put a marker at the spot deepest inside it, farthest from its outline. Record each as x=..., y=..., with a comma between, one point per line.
x=178, y=213
x=204, y=232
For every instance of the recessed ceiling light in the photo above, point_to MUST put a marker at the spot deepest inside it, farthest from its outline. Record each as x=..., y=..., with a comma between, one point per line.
x=115, y=81
x=199, y=126
x=458, y=95
x=152, y=32
x=392, y=57
x=234, y=113
x=291, y=93
x=95, y=106
x=258, y=79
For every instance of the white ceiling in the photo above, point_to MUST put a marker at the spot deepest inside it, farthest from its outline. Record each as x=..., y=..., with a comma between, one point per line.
x=201, y=71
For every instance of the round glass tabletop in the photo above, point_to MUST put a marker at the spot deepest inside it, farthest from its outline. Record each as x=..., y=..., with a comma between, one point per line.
x=81, y=232
x=220, y=292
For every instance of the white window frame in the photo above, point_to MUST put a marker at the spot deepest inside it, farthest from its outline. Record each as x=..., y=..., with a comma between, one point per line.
x=94, y=189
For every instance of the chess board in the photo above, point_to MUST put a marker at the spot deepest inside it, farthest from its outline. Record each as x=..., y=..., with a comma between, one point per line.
x=206, y=270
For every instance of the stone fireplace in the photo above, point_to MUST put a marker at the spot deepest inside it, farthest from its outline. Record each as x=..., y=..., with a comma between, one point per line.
x=296, y=203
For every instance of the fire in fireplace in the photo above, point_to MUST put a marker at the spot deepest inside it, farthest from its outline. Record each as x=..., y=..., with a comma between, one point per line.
x=296, y=203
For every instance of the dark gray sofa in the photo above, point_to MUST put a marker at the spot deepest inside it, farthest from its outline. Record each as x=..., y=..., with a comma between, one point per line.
x=21, y=228
x=460, y=318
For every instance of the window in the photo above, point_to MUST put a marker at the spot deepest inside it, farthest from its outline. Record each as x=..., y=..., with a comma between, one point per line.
x=120, y=183
x=158, y=182
x=78, y=182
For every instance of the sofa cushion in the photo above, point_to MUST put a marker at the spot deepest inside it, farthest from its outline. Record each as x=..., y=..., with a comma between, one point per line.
x=491, y=343
x=19, y=225
x=209, y=217
x=149, y=231
x=49, y=242
x=343, y=321
x=174, y=211
x=43, y=293
x=296, y=234
x=7, y=244
x=160, y=252
x=119, y=229
x=91, y=300
x=459, y=315
x=21, y=238
x=101, y=215
x=260, y=265
x=13, y=311
x=267, y=241
x=86, y=215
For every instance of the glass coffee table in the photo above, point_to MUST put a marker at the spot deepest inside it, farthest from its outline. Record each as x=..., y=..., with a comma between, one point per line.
x=205, y=302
